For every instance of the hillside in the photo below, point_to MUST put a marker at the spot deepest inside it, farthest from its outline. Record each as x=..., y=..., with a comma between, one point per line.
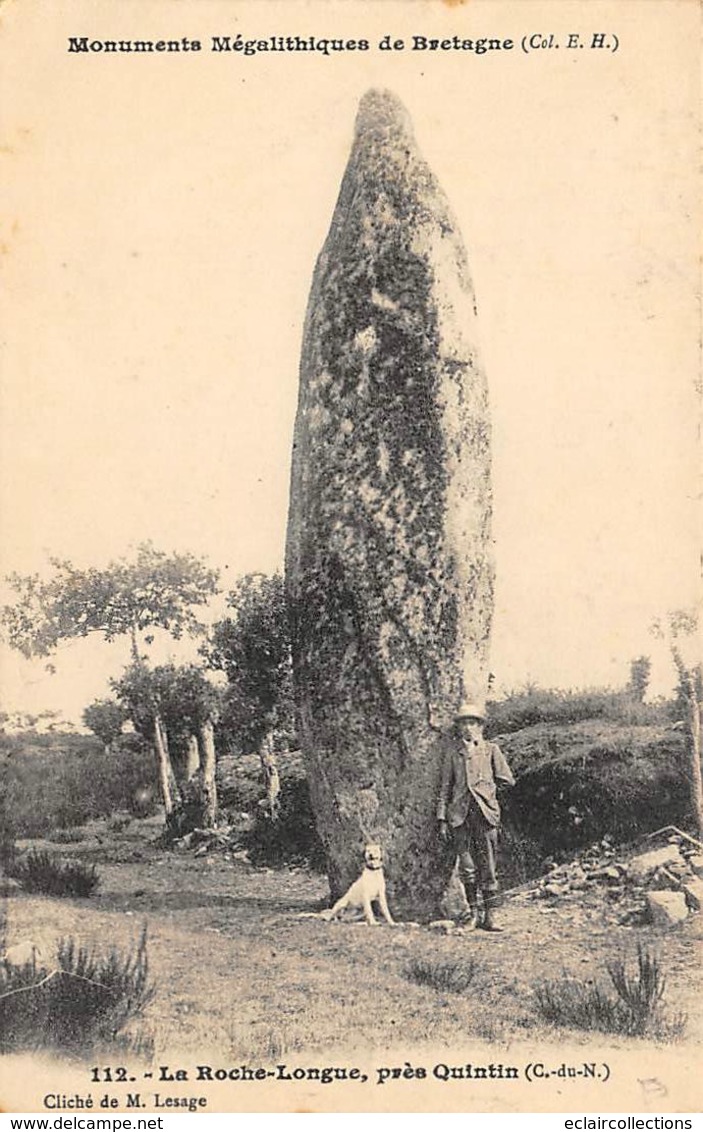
x=578, y=782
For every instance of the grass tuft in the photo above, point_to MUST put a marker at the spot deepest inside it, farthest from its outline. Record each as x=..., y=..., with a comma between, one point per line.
x=635, y=1010
x=641, y=994
x=82, y=1004
x=578, y=1005
x=453, y=975
x=38, y=871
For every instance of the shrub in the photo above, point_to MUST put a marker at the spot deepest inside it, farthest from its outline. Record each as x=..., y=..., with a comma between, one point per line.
x=578, y=783
x=579, y=1005
x=8, y=852
x=520, y=856
x=67, y=836
x=640, y=675
x=292, y=838
x=82, y=1004
x=453, y=975
x=188, y=814
x=642, y=993
x=636, y=1010
x=144, y=802
x=61, y=781
x=119, y=823
x=532, y=705
x=38, y=871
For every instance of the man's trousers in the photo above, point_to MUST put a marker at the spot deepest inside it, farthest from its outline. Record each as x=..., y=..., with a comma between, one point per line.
x=476, y=844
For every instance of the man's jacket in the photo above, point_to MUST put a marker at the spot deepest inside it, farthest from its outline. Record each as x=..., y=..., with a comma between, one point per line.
x=469, y=769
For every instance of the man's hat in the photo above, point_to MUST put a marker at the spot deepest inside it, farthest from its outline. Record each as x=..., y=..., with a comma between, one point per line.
x=470, y=711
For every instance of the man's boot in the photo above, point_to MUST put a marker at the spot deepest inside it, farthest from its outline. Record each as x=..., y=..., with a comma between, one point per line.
x=489, y=914
x=469, y=918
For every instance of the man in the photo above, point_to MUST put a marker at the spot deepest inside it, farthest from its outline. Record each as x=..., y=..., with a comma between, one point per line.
x=468, y=809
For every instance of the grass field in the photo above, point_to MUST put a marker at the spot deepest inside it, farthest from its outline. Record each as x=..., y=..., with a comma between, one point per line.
x=236, y=968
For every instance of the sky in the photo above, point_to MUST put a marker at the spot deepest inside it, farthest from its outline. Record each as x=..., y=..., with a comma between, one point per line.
x=164, y=216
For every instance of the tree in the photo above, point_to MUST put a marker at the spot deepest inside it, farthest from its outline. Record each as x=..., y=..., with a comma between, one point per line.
x=175, y=708
x=190, y=711
x=252, y=648
x=155, y=590
x=680, y=628
x=105, y=718
x=142, y=691
x=640, y=672
x=132, y=598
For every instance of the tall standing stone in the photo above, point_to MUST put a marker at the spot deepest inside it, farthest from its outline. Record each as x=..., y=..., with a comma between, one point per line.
x=388, y=565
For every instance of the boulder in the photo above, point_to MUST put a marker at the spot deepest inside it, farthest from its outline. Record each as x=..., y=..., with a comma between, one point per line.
x=609, y=875
x=645, y=865
x=551, y=889
x=695, y=864
x=693, y=892
x=666, y=909
x=389, y=573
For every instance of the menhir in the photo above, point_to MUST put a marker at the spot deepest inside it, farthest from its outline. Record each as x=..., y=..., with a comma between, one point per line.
x=389, y=571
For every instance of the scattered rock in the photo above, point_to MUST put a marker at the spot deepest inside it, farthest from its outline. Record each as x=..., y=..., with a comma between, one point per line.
x=610, y=874
x=614, y=894
x=678, y=868
x=635, y=917
x=551, y=889
x=643, y=866
x=442, y=926
x=666, y=908
x=695, y=864
x=664, y=878
x=693, y=893
x=205, y=840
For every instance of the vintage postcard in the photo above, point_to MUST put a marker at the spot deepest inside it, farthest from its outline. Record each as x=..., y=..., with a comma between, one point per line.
x=350, y=486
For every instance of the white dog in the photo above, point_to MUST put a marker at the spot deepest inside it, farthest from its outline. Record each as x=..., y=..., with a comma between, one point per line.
x=370, y=887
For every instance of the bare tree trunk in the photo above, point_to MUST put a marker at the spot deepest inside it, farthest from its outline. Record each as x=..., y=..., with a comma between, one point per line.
x=167, y=779
x=192, y=758
x=694, y=736
x=687, y=682
x=269, y=765
x=208, y=766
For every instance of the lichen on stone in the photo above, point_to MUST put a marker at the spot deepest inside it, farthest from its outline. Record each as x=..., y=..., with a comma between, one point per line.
x=388, y=562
